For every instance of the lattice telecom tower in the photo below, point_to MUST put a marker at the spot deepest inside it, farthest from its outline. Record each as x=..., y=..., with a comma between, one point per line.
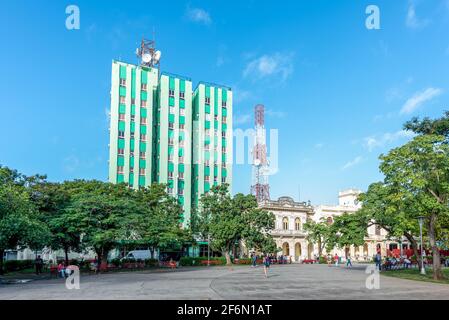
x=260, y=187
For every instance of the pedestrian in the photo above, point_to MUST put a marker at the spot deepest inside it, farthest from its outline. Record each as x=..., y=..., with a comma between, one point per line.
x=329, y=260
x=61, y=269
x=266, y=265
x=336, y=260
x=254, y=260
x=378, y=260
x=38, y=264
x=348, y=262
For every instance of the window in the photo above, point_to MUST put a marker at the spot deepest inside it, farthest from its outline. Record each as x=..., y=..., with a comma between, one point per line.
x=144, y=87
x=223, y=149
x=171, y=93
x=206, y=178
x=122, y=82
x=121, y=152
x=120, y=169
x=170, y=174
x=181, y=175
x=172, y=110
x=297, y=224
x=131, y=170
x=121, y=117
x=215, y=179
x=216, y=117
x=142, y=155
x=378, y=230
x=142, y=171
x=180, y=159
x=143, y=137
x=143, y=103
x=170, y=157
x=133, y=117
x=329, y=220
x=223, y=179
x=207, y=132
x=181, y=142
x=285, y=223
x=207, y=117
x=223, y=119
x=122, y=100
x=206, y=163
x=223, y=104
x=143, y=120
x=223, y=165
x=180, y=192
x=207, y=100
x=182, y=111
x=121, y=134
x=131, y=153
x=133, y=100
x=223, y=134
x=171, y=125
x=170, y=190
x=182, y=126
x=170, y=141
x=181, y=95
x=132, y=135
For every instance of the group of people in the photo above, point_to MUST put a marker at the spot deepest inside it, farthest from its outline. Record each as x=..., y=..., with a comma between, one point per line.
x=337, y=260
x=267, y=259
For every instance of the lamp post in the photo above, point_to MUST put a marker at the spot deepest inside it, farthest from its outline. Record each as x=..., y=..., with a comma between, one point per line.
x=421, y=221
x=208, y=251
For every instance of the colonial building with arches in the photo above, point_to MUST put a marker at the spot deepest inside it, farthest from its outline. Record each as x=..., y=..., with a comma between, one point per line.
x=288, y=232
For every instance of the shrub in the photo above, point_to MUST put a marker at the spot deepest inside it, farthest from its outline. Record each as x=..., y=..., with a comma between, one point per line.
x=201, y=261
x=322, y=260
x=116, y=262
x=151, y=262
x=17, y=265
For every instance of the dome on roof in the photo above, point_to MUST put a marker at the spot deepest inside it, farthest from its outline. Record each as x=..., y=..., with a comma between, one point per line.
x=286, y=199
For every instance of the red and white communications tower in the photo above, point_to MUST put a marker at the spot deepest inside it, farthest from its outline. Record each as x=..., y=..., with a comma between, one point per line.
x=260, y=187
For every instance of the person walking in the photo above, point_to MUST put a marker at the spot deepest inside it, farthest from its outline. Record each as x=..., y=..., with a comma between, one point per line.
x=266, y=265
x=336, y=260
x=378, y=260
x=61, y=270
x=348, y=262
x=38, y=264
x=254, y=260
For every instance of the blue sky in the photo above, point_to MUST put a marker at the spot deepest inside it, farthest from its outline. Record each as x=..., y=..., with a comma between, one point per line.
x=337, y=92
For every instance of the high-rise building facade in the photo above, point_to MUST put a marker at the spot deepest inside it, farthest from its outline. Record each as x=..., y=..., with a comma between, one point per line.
x=163, y=131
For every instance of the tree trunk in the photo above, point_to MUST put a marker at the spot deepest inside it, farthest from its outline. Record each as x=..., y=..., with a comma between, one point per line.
x=66, y=252
x=228, y=258
x=2, y=252
x=320, y=249
x=437, y=272
x=415, y=248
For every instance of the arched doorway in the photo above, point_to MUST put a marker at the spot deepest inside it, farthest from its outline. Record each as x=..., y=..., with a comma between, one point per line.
x=285, y=249
x=297, y=251
x=309, y=251
x=365, y=250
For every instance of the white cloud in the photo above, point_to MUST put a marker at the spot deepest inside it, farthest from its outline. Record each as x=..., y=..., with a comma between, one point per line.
x=270, y=65
x=352, y=163
x=319, y=145
x=242, y=119
x=199, y=15
x=373, y=142
x=275, y=114
x=412, y=20
x=419, y=98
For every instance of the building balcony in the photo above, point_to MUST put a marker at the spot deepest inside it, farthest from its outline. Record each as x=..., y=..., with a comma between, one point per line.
x=287, y=233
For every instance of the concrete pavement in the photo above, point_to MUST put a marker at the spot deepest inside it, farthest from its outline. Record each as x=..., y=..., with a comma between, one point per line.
x=243, y=282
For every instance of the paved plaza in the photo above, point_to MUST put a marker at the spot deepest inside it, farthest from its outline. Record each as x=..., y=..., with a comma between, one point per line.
x=285, y=282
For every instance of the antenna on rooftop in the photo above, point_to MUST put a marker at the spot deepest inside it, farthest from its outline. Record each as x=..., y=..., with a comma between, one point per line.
x=149, y=56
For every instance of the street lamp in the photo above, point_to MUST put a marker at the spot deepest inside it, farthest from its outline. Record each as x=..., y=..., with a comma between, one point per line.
x=208, y=251
x=421, y=221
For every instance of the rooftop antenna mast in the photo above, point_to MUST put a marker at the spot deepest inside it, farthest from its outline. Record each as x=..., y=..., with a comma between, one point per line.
x=148, y=55
x=260, y=187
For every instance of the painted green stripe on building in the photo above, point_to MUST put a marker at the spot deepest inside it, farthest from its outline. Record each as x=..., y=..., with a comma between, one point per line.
x=122, y=92
x=224, y=126
x=143, y=147
x=142, y=164
x=144, y=76
x=207, y=92
x=120, y=178
x=207, y=171
x=121, y=143
x=182, y=85
x=133, y=110
x=181, y=167
x=171, y=83
x=131, y=144
x=122, y=109
x=143, y=112
x=224, y=173
x=133, y=127
x=182, y=103
x=121, y=126
x=224, y=112
x=143, y=129
x=123, y=72
x=182, y=120
x=142, y=181
x=131, y=162
x=181, y=152
x=224, y=95
x=171, y=134
x=120, y=161
x=143, y=95
x=171, y=101
x=207, y=108
x=171, y=118
x=171, y=167
x=133, y=83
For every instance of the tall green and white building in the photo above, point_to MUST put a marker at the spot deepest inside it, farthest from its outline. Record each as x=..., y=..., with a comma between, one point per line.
x=163, y=131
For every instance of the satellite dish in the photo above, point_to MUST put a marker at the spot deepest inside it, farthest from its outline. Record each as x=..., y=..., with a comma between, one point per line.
x=157, y=56
x=256, y=162
x=138, y=52
x=146, y=58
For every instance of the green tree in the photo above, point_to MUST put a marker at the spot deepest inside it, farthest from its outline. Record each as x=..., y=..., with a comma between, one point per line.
x=228, y=220
x=158, y=220
x=19, y=223
x=318, y=233
x=103, y=214
x=421, y=167
x=428, y=126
